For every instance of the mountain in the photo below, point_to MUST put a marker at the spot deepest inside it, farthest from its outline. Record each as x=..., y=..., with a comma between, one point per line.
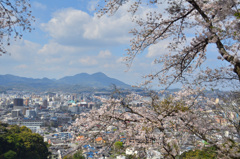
x=82, y=80
x=11, y=80
x=95, y=80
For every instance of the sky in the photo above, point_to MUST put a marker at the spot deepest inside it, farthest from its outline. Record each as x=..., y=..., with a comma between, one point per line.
x=69, y=38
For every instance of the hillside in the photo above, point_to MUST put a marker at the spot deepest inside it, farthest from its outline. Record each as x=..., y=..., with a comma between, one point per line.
x=83, y=80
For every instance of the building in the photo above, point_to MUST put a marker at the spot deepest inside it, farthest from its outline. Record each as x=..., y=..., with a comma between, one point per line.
x=31, y=113
x=74, y=96
x=73, y=109
x=34, y=125
x=45, y=103
x=26, y=102
x=18, y=102
x=16, y=113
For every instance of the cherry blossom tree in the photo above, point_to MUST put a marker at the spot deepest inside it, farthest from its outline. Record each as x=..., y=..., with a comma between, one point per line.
x=15, y=17
x=169, y=125
x=190, y=26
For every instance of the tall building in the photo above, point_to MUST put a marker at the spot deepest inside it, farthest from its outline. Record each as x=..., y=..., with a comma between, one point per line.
x=45, y=103
x=18, y=102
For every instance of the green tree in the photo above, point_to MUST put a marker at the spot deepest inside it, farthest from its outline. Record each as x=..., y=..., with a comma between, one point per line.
x=78, y=155
x=10, y=155
x=23, y=142
x=117, y=149
x=118, y=145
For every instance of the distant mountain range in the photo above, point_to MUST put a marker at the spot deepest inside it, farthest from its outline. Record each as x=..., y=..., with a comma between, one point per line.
x=82, y=80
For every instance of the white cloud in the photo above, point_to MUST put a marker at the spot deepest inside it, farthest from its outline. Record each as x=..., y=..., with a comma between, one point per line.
x=92, y=5
x=113, y=28
x=67, y=26
x=39, y=5
x=104, y=54
x=108, y=66
x=158, y=49
x=89, y=61
x=120, y=60
x=21, y=49
x=75, y=27
x=55, y=48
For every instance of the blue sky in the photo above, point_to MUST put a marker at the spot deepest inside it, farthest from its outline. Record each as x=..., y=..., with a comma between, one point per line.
x=69, y=39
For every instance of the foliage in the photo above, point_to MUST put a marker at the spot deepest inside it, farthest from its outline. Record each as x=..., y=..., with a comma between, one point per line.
x=77, y=155
x=15, y=17
x=132, y=157
x=67, y=157
x=10, y=155
x=117, y=149
x=118, y=145
x=206, y=153
x=20, y=141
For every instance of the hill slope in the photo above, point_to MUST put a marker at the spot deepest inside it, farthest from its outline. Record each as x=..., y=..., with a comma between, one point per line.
x=96, y=80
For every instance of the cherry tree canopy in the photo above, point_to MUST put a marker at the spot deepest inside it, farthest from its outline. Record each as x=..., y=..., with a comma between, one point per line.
x=170, y=126
x=190, y=25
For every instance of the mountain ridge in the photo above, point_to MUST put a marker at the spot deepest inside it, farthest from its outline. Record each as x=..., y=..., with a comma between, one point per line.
x=96, y=80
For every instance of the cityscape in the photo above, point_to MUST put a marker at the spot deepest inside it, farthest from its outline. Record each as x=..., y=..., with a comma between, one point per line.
x=51, y=114
x=54, y=115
